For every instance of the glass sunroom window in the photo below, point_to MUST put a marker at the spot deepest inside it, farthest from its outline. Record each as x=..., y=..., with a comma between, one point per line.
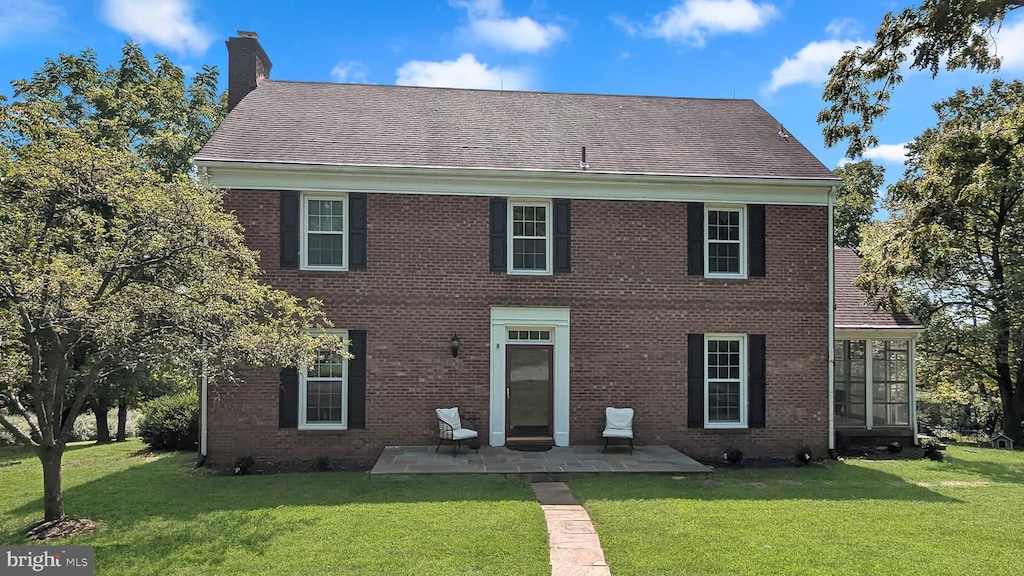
x=890, y=376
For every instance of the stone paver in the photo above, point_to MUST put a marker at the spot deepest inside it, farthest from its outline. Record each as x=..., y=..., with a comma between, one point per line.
x=573, y=545
x=501, y=460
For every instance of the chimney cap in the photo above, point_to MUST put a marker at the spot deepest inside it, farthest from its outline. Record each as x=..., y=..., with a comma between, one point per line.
x=246, y=34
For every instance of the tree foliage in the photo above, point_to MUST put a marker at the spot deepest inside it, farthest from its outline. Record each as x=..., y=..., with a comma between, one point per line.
x=953, y=249
x=110, y=259
x=950, y=34
x=855, y=200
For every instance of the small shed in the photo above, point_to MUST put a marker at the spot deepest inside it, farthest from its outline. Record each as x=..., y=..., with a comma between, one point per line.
x=1001, y=441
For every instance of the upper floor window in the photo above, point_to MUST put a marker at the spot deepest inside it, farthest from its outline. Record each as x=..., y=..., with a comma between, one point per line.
x=530, y=248
x=324, y=233
x=726, y=236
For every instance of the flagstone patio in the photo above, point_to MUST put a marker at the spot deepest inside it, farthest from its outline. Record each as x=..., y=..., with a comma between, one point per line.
x=501, y=460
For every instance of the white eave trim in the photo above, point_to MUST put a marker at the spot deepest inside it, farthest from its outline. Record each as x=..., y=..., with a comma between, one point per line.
x=878, y=332
x=518, y=183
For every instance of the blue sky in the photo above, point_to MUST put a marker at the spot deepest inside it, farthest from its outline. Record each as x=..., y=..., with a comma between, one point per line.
x=776, y=52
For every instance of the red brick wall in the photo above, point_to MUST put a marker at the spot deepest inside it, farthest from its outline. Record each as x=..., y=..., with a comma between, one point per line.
x=632, y=306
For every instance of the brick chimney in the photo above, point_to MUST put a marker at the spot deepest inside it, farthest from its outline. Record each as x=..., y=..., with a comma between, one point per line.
x=248, y=66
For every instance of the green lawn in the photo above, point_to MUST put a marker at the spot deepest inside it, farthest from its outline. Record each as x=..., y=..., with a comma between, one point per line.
x=961, y=516
x=157, y=517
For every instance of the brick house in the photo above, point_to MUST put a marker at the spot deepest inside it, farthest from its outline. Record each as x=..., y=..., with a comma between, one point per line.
x=668, y=254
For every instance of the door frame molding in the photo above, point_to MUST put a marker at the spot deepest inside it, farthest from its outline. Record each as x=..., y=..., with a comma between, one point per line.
x=550, y=349
x=554, y=319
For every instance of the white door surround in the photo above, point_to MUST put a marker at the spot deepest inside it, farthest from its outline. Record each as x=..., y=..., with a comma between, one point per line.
x=557, y=321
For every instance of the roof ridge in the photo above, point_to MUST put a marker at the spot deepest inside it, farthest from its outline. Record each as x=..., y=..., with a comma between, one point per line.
x=491, y=90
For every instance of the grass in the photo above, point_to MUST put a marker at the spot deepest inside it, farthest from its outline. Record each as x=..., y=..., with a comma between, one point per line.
x=880, y=517
x=157, y=517
x=961, y=516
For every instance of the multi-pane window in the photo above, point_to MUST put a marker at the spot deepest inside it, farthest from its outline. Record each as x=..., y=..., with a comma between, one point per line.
x=529, y=335
x=726, y=395
x=890, y=376
x=531, y=234
x=724, y=249
x=324, y=392
x=851, y=381
x=324, y=234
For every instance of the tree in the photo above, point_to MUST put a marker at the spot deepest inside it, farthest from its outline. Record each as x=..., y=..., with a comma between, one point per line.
x=135, y=106
x=108, y=261
x=855, y=200
x=953, y=249
x=954, y=34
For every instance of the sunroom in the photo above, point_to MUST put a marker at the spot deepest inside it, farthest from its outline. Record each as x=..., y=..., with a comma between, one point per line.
x=874, y=370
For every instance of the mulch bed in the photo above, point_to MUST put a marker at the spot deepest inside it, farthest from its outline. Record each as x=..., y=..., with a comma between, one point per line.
x=59, y=528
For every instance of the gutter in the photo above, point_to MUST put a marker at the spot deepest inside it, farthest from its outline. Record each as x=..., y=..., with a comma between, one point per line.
x=203, y=432
x=831, y=326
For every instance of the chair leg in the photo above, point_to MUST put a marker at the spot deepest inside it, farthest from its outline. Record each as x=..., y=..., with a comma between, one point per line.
x=438, y=445
x=605, y=449
x=631, y=446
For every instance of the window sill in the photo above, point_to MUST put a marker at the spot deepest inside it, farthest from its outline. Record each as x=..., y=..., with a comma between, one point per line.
x=714, y=426
x=323, y=427
x=529, y=273
x=726, y=276
x=321, y=269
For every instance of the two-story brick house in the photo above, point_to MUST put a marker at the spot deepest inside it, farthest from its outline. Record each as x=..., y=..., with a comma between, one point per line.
x=668, y=254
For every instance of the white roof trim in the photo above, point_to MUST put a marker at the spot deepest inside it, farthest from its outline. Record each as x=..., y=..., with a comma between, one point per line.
x=518, y=183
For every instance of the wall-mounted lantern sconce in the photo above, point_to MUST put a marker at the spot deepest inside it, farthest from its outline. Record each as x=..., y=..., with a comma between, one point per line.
x=456, y=344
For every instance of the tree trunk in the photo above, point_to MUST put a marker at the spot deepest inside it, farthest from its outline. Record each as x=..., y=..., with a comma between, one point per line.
x=102, y=429
x=122, y=421
x=53, y=497
x=1011, y=421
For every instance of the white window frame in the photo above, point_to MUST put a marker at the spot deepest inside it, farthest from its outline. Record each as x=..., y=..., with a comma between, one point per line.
x=304, y=231
x=303, y=395
x=744, y=366
x=742, y=274
x=549, y=236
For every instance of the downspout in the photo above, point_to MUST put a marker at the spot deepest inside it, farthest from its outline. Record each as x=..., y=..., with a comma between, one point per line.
x=205, y=386
x=831, y=326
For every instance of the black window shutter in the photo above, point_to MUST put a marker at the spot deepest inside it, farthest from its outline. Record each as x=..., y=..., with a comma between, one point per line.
x=695, y=241
x=499, y=249
x=695, y=381
x=288, y=402
x=289, y=229
x=563, y=236
x=357, y=380
x=357, y=231
x=756, y=374
x=755, y=240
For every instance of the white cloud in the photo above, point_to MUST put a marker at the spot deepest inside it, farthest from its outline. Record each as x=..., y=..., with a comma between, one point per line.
x=27, y=17
x=693, y=20
x=841, y=27
x=464, y=72
x=1009, y=44
x=165, y=23
x=489, y=25
x=810, y=65
x=888, y=153
x=349, y=71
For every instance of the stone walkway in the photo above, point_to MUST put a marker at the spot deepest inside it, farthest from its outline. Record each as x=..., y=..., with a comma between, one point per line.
x=501, y=460
x=573, y=544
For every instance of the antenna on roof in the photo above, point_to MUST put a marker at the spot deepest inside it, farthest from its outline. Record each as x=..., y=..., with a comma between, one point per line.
x=583, y=159
x=782, y=133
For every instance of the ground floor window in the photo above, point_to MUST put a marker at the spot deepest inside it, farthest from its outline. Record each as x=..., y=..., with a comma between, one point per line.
x=725, y=381
x=876, y=383
x=323, y=392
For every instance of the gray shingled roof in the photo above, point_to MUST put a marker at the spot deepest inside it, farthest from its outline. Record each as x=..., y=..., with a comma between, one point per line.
x=852, y=306
x=362, y=124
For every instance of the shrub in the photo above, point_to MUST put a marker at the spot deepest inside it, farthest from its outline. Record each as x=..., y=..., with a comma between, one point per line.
x=733, y=455
x=804, y=455
x=243, y=464
x=322, y=463
x=171, y=422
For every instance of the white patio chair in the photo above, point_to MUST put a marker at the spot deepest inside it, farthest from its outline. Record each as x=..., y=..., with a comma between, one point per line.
x=449, y=427
x=618, y=423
